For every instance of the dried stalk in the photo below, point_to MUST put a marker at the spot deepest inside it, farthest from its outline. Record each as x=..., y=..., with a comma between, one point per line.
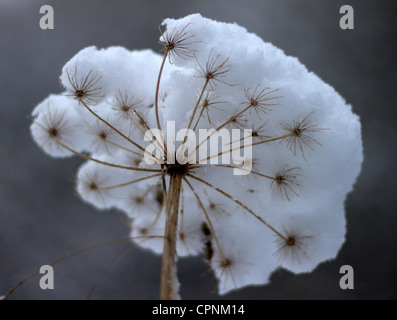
x=169, y=290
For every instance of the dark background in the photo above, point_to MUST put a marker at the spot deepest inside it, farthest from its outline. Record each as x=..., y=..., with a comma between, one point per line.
x=41, y=219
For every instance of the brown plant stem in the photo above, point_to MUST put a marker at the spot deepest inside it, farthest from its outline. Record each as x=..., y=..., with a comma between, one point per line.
x=169, y=280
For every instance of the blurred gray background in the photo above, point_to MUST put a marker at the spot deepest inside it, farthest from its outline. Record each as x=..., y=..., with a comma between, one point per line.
x=41, y=219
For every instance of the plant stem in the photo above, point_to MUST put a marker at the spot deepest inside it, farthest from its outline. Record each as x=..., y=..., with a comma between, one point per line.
x=169, y=286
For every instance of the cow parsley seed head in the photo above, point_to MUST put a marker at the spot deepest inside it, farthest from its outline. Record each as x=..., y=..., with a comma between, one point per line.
x=149, y=127
x=125, y=105
x=291, y=248
x=285, y=181
x=300, y=134
x=83, y=87
x=260, y=100
x=177, y=42
x=214, y=69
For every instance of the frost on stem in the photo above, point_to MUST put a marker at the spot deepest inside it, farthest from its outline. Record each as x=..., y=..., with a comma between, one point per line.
x=116, y=99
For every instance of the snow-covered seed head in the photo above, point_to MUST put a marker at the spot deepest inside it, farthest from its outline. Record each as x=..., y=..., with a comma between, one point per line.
x=260, y=100
x=177, y=42
x=299, y=134
x=214, y=69
x=52, y=127
x=117, y=102
x=54, y=124
x=124, y=105
x=102, y=137
x=237, y=121
x=91, y=186
x=84, y=88
x=257, y=132
x=285, y=181
x=209, y=101
x=292, y=248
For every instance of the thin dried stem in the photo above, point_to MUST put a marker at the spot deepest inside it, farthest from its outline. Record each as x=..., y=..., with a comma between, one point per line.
x=129, y=182
x=243, y=169
x=194, y=112
x=231, y=120
x=103, y=244
x=128, y=150
x=160, y=147
x=157, y=217
x=197, y=105
x=110, y=126
x=104, y=162
x=238, y=203
x=206, y=217
x=240, y=147
x=255, y=133
x=157, y=145
x=156, y=106
x=114, y=262
x=156, y=101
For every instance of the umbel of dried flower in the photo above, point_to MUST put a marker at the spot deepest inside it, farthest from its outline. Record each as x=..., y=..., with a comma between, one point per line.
x=306, y=149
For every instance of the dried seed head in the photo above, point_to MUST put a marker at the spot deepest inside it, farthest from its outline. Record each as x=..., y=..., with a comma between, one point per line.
x=291, y=248
x=85, y=89
x=223, y=267
x=178, y=169
x=177, y=42
x=52, y=126
x=258, y=101
x=298, y=134
x=238, y=120
x=90, y=185
x=137, y=202
x=214, y=70
x=124, y=105
x=102, y=137
x=257, y=133
x=283, y=182
x=208, y=101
